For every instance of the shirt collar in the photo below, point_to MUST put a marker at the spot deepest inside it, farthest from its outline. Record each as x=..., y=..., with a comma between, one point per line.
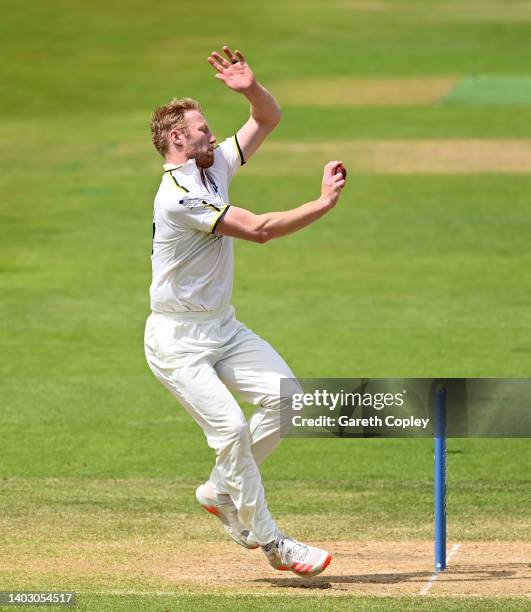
x=188, y=167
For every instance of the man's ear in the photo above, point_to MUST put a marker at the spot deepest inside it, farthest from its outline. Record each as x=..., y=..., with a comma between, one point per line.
x=176, y=138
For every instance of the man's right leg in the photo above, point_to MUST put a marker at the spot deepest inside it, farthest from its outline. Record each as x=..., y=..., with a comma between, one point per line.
x=192, y=379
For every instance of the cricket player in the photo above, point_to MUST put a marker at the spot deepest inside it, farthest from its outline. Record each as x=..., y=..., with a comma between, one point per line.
x=193, y=343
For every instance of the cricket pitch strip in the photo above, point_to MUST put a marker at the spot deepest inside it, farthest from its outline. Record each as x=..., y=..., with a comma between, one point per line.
x=495, y=569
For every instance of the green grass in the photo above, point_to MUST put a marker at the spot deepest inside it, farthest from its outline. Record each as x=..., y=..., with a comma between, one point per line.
x=286, y=602
x=215, y=602
x=367, y=493
x=409, y=276
x=504, y=90
x=97, y=56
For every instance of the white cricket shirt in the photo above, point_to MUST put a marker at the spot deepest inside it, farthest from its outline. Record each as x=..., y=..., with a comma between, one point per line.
x=192, y=266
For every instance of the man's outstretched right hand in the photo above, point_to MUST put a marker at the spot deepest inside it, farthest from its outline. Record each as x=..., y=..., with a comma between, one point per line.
x=333, y=182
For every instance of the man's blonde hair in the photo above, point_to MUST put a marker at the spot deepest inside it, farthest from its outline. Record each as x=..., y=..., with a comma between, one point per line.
x=168, y=117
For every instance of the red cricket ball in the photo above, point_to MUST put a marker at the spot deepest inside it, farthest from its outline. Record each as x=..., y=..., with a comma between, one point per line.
x=341, y=168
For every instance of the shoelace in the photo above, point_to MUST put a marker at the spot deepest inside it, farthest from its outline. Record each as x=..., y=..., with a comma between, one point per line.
x=292, y=549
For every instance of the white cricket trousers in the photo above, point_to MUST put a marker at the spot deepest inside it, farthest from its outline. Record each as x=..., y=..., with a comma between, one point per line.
x=200, y=357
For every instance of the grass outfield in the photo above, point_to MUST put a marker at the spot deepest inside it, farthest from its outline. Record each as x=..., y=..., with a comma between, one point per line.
x=212, y=603
x=411, y=275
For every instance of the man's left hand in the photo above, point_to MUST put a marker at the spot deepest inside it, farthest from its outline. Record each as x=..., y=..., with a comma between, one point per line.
x=235, y=73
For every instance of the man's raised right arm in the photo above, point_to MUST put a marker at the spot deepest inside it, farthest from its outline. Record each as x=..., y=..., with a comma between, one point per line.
x=242, y=223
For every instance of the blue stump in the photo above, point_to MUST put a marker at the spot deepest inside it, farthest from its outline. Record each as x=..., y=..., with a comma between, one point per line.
x=440, y=480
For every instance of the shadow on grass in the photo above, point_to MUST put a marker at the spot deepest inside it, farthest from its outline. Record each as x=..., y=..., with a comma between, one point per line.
x=461, y=574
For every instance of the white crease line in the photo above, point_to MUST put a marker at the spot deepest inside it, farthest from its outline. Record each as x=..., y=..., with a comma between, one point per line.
x=426, y=589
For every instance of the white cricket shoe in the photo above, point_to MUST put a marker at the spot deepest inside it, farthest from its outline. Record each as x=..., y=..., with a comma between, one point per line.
x=287, y=554
x=223, y=507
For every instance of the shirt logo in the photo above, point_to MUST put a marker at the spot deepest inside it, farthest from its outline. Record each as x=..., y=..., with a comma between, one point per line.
x=194, y=203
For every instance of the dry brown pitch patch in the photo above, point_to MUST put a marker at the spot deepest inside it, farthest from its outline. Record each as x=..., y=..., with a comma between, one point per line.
x=498, y=569
x=450, y=156
x=358, y=91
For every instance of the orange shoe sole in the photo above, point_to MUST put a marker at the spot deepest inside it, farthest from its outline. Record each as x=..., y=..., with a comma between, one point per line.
x=305, y=569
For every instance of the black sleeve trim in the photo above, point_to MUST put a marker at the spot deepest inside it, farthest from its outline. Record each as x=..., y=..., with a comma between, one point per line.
x=211, y=205
x=219, y=218
x=240, y=153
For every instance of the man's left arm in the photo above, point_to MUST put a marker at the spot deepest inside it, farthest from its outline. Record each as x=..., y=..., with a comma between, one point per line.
x=265, y=111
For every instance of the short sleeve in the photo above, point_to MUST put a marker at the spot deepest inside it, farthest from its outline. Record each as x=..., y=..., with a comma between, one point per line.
x=229, y=155
x=196, y=213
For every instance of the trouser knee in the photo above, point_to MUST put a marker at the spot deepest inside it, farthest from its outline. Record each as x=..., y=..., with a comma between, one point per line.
x=237, y=433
